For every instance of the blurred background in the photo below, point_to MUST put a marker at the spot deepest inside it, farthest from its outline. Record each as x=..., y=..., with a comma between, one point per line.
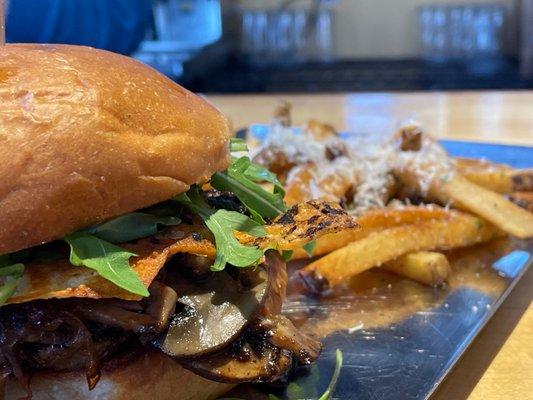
x=238, y=46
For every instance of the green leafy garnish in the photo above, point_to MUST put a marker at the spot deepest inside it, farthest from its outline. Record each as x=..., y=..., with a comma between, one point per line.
x=223, y=224
x=12, y=274
x=258, y=174
x=333, y=383
x=310, y=248
x=242, y=179
x=237, y=144
x=131, y=226
x=110, y=261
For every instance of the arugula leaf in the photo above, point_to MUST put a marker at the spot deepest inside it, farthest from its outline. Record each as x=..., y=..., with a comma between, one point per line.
x=110, y=261
x=258, y=173
x=241, y=178
x=15, y=270
x=310, y=247
x=333, y=383
x=13, y=273
x=257, y=200
x=195, y=202
x=223, y=224
x=237, y=144
x=131, y=226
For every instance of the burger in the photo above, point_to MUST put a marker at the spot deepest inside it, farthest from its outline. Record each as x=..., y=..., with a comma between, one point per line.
x=142, y=253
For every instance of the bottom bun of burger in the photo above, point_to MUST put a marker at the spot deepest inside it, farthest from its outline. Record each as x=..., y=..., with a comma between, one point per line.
x=149, y=375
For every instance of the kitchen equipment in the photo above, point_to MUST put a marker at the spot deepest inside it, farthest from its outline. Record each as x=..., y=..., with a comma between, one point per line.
x=181, y=29
x=461, y=32
x=294, y=32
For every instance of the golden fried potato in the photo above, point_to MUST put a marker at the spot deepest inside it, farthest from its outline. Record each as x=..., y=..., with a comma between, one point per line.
x=522, y=199
x=320, y=130
x=488, y=204
x=427, y=267
x=373, y=221
x=459, y=230
x=306, y=183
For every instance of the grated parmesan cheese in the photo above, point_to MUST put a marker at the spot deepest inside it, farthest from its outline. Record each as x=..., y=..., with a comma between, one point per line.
x=429, y=163
x=368, y=165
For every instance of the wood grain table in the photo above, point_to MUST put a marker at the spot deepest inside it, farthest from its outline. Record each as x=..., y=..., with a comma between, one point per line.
x=499, y=364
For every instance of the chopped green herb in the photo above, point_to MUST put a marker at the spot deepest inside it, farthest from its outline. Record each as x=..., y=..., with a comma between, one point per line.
x=110, y=261
x=131, y=226
x=237, y=144
x=479, y=224
x=310, y=247
x=445, y=177
x=12, y=274
x=287, y=254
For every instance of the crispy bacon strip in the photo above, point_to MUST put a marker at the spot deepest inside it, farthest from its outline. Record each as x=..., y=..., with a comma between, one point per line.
x=302, y=223
x=59, y=279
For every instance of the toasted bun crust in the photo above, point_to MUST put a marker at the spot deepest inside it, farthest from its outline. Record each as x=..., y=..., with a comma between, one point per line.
x=152, y=375
x=86, y=135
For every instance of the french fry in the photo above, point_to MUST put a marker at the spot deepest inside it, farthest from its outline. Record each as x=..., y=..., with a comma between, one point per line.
x=522, y=199
x=459, y=230
x=503, y=181
x=427, y=267
x=500, y=181
x=523, y=180
x=496, y=177
x=372, y=221
x=320, y=130
x=304, y=183
x=490, y=205
x=467, y=164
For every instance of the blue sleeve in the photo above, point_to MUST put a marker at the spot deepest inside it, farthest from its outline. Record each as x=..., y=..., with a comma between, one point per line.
x=116, y=25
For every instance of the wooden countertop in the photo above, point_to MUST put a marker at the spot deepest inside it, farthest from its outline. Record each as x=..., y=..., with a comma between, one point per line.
x=499, y=364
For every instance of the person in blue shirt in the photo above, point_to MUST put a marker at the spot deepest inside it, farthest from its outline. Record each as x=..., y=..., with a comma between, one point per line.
x=116, y=25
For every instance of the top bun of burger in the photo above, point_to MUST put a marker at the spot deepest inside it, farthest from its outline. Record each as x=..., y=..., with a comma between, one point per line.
x=86, y=135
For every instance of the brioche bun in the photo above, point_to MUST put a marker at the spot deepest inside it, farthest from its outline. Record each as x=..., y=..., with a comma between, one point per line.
x=86, y=135
x=151, y=375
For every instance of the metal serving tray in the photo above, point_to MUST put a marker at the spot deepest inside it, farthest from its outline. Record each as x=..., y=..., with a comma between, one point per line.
x=400, y=339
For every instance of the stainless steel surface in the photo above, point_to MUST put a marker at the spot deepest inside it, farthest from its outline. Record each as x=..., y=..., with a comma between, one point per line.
x=399, y=338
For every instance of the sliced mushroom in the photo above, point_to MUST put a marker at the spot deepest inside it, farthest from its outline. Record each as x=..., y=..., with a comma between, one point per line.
x=283, y=334
x=249, y=359
x=215, y=312
x=278, y=278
